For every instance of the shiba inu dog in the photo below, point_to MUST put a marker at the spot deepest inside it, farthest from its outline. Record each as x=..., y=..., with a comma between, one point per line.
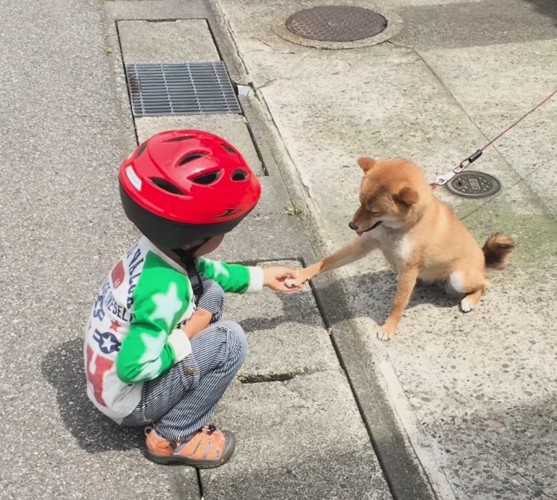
x=419, y=236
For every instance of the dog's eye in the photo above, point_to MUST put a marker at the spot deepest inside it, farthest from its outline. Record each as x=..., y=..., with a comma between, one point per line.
x=374, y=213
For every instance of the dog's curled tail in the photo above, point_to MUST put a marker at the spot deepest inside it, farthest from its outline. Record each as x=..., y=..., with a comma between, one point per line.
x=496, y=250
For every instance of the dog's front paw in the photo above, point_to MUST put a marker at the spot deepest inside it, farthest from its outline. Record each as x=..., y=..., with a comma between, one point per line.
x=302, y=277
x=386, y=332
x=294, y=283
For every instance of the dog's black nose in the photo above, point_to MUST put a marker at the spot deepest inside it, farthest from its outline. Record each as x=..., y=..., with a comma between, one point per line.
x=352, y=226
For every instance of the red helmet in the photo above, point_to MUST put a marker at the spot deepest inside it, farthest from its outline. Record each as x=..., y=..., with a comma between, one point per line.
x=184, y=185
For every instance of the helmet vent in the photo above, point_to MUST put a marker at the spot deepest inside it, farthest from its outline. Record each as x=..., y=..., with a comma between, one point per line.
x=239, y=175
x=190, y=157
x=166, y=185
x=228, y=149
x=206, y=179
x=181, y=138
x=141, y=149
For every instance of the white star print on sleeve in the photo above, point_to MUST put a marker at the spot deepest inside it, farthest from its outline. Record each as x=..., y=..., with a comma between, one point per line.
x=151, y=367
x=167, y=305
x=235, y=278
x=220, y=270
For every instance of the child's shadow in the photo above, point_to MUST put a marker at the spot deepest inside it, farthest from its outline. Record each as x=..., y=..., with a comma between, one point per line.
x=375, y=291
x=63, y=368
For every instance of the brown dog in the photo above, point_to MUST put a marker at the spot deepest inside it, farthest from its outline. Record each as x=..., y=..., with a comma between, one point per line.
x=419, y=236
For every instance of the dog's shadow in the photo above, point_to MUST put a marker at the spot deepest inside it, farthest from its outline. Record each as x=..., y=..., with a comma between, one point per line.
x=63, y=368
x=376, y=292
x=373, y=294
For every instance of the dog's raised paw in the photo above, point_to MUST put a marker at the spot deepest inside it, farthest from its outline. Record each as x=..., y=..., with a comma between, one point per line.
x=293, y=283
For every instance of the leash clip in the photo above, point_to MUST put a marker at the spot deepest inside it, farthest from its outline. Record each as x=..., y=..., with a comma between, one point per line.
x=443, y=179
x=471, y=159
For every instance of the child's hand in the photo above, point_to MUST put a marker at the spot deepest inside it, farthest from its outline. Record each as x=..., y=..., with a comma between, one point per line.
x=200, y=320
x=273, y=278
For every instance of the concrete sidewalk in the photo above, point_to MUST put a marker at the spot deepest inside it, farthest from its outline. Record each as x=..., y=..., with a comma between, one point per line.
x=474, y=393
x=454, y=406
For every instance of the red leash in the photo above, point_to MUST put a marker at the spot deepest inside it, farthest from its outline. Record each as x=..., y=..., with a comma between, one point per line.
x=443, y=179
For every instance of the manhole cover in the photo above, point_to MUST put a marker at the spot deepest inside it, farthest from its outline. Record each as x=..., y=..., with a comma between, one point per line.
x=180, y=89
x=473, y=185
x=335, y=23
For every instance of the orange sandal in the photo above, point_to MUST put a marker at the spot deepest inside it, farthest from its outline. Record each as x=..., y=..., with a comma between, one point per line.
x=208, y=448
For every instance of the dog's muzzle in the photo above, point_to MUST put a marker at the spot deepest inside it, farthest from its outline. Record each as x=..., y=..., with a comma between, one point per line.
x=352, y=226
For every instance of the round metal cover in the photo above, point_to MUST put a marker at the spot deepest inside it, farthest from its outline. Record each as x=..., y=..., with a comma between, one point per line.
x=336, y=23
x=473, y=185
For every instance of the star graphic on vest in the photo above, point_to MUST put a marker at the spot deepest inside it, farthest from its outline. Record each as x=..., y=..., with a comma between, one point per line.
x=150, y=361
x=167, y=305
x=107, y=341
x=114, y=325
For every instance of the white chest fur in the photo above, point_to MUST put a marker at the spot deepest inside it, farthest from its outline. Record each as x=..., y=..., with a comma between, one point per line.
x=396, y=245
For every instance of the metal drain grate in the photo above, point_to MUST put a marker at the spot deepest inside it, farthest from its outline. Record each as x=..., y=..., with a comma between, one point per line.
x=180, y=89
x=336, y=23
x=473, y=185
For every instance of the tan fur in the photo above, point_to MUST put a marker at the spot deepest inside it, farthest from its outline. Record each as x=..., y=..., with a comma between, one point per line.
x=419, y=236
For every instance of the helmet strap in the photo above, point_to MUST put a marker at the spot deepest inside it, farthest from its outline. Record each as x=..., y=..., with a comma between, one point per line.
x=188, y=262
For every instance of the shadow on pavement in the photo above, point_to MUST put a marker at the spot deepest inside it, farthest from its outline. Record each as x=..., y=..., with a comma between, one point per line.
x=376, y=288
x=518, y=448
x=546, y=8
x=63, y=368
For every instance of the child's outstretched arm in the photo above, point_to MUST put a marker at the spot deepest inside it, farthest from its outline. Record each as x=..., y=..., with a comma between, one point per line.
x=274, y=278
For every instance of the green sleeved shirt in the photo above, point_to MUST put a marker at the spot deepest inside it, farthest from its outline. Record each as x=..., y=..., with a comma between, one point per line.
x=133, y=334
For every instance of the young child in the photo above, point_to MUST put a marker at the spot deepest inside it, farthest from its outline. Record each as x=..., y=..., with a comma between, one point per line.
x=157, y=351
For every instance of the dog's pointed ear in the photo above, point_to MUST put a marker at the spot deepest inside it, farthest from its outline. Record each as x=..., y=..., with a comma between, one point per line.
x=366, y=163
x=407, y=196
